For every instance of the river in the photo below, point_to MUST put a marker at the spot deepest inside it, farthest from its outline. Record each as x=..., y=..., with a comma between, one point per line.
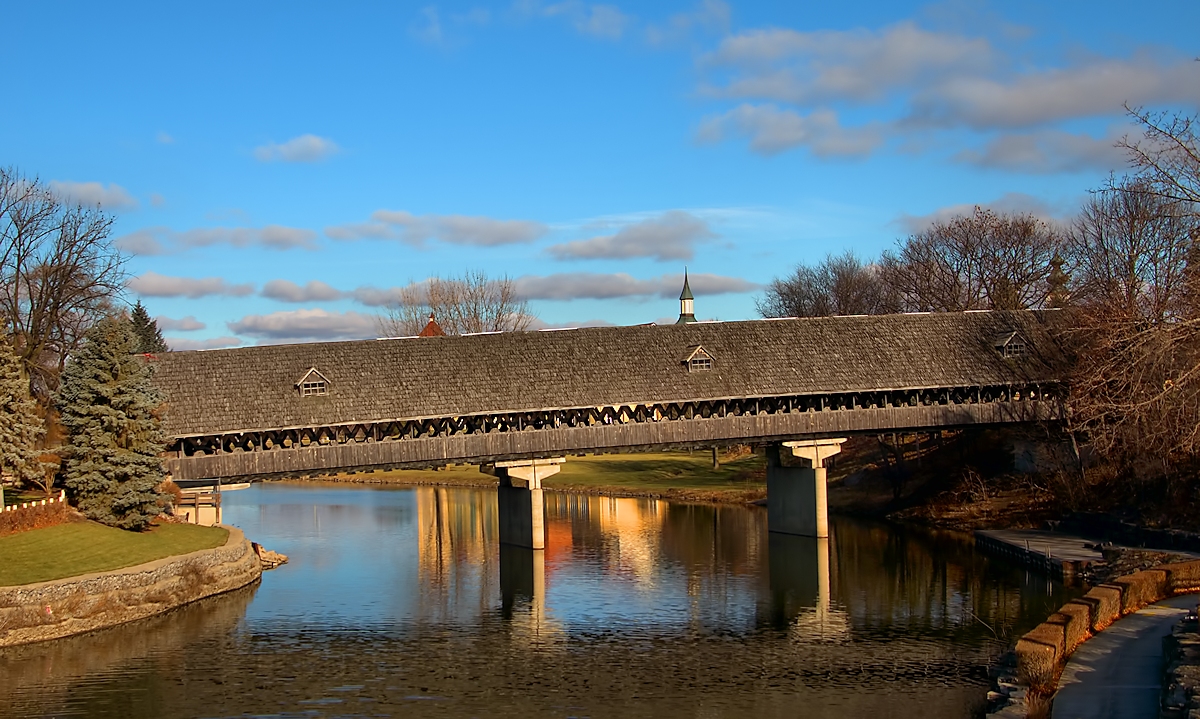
x=401, y=602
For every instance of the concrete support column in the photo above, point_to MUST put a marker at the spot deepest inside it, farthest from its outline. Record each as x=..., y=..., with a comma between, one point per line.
x=796, y=501
x=521, y=504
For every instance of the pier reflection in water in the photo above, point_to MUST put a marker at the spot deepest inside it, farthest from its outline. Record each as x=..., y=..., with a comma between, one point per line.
x=402, y=602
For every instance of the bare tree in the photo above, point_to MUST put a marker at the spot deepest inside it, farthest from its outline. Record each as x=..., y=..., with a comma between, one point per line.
x=1167, y=156
x=1136, y=248
x=1129, y=250
x=983, y=260
x=839, y=285
x=461, y=305
x=58, y=274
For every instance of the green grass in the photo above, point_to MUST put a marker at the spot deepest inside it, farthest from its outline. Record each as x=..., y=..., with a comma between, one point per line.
x=649, y=472
x=68, y=550
x=658, y=471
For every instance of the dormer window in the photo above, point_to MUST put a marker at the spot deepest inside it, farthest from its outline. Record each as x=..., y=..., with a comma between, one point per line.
x=1011, y=344
x=697, y=359
x=313, y=384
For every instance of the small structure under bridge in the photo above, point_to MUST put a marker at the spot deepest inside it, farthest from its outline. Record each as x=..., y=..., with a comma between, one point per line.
x=518, y=403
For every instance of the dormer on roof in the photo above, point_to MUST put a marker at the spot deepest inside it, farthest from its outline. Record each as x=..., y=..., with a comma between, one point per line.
x=313, y=383
x=697, y=359
x=432, y=329
x=1011, y=344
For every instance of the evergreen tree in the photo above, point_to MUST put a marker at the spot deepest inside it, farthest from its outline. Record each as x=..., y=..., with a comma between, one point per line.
x=149, y=337
x=108, y=406
x=20, y=425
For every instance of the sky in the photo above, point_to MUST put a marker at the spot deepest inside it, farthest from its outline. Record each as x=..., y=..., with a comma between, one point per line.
x=278, y=170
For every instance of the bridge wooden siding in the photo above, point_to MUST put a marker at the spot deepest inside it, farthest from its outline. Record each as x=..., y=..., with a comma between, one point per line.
x=497, y=446
x=428, y=402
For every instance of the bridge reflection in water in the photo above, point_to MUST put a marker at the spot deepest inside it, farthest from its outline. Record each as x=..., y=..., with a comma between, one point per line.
x=405, y=598
x=630, y=538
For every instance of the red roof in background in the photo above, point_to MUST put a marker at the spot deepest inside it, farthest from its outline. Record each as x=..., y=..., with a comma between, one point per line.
x=433, y=329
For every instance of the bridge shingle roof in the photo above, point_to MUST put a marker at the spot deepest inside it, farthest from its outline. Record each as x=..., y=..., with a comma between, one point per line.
x=254, y=388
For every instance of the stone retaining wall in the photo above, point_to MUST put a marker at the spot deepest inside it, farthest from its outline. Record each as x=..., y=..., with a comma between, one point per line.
x=1042, y=652
x=49, y=610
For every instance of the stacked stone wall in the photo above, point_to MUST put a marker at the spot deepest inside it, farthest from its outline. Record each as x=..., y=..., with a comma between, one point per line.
x=49, y=610
x=1042, y=652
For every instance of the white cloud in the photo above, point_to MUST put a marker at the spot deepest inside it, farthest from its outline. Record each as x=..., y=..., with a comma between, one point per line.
x=565, y=286
x=152, y=284
x=474, y=16
x=157, y=200
x=452, y=229
x=1051, y=151
x=180, y=344
x=306, y=325
x=599, y=20
x=163, y=240
x=305, y=148
x=670, y=236
x=378, y=297
x=599, y=286
x=431, y=28
x=1097, y=88
x=91, y=194
x=1009, y=203
x=855, y=65
x=773, y=130
x=921, y=83
x=187, y=324
x=313, y=291
x=708, y=16
x=164, y=139
x=141, y=242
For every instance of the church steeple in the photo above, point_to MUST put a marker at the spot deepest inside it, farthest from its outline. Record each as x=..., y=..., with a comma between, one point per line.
x=687, y=310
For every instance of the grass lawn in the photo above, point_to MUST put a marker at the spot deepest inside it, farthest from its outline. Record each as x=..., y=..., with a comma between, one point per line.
x=650, y=472
x=77, y=548
x=658, y=471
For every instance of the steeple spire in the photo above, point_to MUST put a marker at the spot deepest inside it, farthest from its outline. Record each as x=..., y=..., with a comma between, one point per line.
x=686, y=303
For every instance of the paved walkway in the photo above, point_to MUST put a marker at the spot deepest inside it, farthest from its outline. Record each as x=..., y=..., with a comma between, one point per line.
x=1118, y=673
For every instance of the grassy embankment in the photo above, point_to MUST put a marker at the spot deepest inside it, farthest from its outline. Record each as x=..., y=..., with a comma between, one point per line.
x=672, y=475
x=68, y=550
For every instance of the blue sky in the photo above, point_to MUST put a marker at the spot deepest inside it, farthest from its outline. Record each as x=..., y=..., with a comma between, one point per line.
x=278, y=169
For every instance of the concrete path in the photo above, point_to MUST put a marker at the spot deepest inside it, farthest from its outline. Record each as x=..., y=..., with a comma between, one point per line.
x=1118, y=673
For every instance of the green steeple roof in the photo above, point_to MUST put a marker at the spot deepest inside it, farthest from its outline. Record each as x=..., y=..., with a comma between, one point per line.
x=685, y=303
x=687, y=291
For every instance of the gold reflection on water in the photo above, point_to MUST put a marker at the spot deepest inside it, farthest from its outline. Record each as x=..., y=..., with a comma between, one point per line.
x=720, y=550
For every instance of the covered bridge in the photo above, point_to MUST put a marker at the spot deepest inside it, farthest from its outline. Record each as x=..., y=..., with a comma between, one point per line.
x=426, y=401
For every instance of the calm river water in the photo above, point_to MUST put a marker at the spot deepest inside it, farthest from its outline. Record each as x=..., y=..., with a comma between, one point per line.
x=400, y=602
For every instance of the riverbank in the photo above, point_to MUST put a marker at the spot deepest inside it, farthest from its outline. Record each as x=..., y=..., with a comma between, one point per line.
x=678, y=476
x=84, y=603
x=83, y=547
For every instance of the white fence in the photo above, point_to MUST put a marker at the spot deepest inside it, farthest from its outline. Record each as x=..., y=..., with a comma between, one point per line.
x=62, y=497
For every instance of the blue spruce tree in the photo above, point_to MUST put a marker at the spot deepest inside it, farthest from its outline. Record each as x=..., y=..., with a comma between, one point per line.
x=108, y=405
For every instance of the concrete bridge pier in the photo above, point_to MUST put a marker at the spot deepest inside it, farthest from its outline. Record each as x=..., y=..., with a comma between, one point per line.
x=796, y=502
x=521, y=504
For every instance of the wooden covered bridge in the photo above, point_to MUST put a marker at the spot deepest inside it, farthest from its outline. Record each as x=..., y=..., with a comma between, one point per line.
x=507, y=399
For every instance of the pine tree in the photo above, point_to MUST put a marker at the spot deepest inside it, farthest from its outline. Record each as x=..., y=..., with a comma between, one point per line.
x=108, y=406
x=149, y=337
x=21, y=426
